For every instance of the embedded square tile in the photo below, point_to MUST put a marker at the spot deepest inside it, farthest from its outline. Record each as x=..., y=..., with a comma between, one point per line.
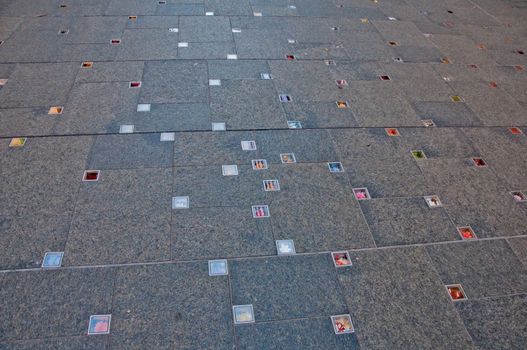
x=55, y=110
x=285, y=247
x=266, y=76
x=285, y=98
x=162, y=2
x=232, y=56
x=63, y=31
x=445, y=60
x=329, y=63
x=248, y=145
x=456, y=292
x=447, y=78
x=180, y=202
x=210, y=13
x=218, y=268
x=243, y=314
x=294, y=124
x=287, y=158
x=519, y=196
x=419, y=154
x=87, y=64
x=99, y=324
x=519, y=68
x=335, y=167
x=182, y=44
x=291, y=41
x=259, y=164
x=479, y=162
x=290, y=57
x=361, y=193
x=260, y=211
x=229, y=170
x=257, y=14
x=515, y=131
x=392, y=19
x=126, y=129
x=271, y=185
x=334, y=29
x=91, y=175
x=173, y=30
x=384, y=77
x=291, y=7
x=433, y=201
x=392, y=132
x=115, y=41
x=456, y=98
x=398, y=59
x=236, y=30
x=392, y=43
x=341, y=259
x=428, y=123
x=17, y=142
x=341, y=83
x=473, y=66
x=342, y=104
x=342, y=324
x=143, y=107
x=3, y=82
x=493, y=84
x=134, y=84
x=214, y=82
x=52, y=260
x=132, y=18
x=364, y=20
x=168, y=136
x=218, y=127
x=466, y=232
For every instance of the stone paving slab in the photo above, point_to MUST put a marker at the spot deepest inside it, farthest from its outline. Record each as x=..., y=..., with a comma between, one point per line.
x=220, y=129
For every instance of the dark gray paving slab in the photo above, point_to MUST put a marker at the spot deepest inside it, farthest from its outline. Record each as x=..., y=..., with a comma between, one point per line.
x=160, y=306
x=307, y=145
x=41, y=181
x=237, y=69
x=96, y=108
x=316, y=209
x=45, y=304
x=219, y=232
x=208, y=50
x=316, y=115
x=495, y=322
x=171, y=117
x=117, y=221
x=519, y=246
x=493, y=106
x=148, y=44
x=287, y=287
x=110, y=72
x=213, y=148
x=180, y=9
x=399, y=286
x=484, y=269
x=131, y=7
x=150, y=22
x=314, y=333
x=32, y=85
x=402, y=221
x=229, y=7
x=96, y=30
x=246, y=104
x=69, y=343
x=447, y=113
x=174, y=82
x=207, y=187
x=388, y=177
x=381, y=104
x=473, y=196
x=26, y=121
x=204, y=29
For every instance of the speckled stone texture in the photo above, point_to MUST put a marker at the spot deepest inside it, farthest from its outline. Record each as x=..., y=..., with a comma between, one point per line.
x=451, y=76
